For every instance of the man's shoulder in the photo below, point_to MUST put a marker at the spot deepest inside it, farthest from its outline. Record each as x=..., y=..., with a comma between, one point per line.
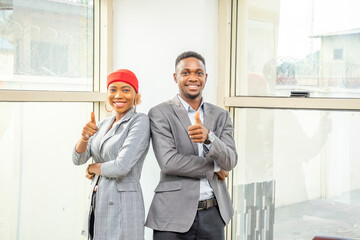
x=215, y=108
x=164, y=107
x=161, y=106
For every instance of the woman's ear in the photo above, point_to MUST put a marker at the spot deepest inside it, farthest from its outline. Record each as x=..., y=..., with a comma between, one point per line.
x=138, y=98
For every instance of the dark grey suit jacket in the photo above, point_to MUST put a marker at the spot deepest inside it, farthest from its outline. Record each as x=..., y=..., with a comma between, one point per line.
x=174, y=205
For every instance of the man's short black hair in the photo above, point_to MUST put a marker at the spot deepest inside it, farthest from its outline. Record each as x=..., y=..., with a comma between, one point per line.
x=189, y=54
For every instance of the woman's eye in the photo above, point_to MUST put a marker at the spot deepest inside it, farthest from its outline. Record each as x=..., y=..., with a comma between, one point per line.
x=111, y=90
x=126, y=90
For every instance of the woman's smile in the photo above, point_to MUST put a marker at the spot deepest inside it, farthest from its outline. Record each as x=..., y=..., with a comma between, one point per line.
x=119, y=104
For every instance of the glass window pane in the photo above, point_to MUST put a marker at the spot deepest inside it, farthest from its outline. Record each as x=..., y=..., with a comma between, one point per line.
x=294, y=45
x=297, y=175
x=46, y=45
x=43, y=194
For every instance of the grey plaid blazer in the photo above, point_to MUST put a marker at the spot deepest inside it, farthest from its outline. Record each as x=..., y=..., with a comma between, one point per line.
x=175, y=202
x=119, y=211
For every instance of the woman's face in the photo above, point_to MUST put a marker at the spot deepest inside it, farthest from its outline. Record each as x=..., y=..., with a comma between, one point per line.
x=121, y=97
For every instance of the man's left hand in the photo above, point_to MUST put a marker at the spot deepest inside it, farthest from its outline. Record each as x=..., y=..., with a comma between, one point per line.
x=222, y=175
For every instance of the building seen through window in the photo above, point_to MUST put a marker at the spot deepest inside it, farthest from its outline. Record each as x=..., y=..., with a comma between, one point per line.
x=46, y=45
x=293, y=46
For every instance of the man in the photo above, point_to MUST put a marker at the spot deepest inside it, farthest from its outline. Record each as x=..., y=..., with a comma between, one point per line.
x=194, y=146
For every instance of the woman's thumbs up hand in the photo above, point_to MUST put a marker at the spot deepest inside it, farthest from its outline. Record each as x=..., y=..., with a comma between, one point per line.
x=89, y=129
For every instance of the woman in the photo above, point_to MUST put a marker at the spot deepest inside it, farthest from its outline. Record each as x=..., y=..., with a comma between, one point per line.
x=118, y=145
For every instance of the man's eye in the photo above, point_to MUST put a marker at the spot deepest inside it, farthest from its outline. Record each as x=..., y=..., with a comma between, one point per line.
x=185, y=73
x=200, y=74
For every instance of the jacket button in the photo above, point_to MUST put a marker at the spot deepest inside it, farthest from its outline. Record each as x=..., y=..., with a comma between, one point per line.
x=111, y=203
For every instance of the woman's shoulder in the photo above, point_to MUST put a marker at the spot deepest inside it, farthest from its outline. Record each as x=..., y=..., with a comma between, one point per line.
x=142, y=118
x=141, y=115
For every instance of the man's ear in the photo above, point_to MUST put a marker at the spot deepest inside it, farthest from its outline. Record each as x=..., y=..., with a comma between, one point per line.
x=205, y=80
x=175, y=79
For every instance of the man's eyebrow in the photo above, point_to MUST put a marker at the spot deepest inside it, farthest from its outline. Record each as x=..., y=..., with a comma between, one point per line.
x=187, y=69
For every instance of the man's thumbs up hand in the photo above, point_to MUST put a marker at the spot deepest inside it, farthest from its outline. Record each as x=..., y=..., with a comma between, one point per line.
x=198, y=133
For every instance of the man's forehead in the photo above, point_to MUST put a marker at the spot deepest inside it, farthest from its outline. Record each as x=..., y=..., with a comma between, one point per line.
x=191, y=63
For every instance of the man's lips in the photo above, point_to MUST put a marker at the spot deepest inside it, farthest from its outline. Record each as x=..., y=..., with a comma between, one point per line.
x=192, y=86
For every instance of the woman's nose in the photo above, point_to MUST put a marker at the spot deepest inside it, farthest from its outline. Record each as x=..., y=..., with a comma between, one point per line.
x=118, y=94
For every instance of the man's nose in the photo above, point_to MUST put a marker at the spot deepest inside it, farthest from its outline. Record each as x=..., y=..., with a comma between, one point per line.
x=192, y=77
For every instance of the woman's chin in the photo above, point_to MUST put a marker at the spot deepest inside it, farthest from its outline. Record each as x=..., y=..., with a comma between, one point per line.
x=122, y=111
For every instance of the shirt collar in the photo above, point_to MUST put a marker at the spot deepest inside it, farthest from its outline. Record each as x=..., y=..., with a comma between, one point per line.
x=187, y=106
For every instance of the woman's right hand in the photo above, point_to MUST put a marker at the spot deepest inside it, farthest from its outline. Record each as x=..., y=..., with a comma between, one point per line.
x=89, y=129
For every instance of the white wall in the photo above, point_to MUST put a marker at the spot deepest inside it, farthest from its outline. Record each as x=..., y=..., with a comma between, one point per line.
x=148, y=36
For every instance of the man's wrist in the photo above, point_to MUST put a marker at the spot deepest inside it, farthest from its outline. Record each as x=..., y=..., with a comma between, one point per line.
x=210, y=139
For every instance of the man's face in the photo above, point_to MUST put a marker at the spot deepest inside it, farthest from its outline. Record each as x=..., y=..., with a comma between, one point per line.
x=191, y=77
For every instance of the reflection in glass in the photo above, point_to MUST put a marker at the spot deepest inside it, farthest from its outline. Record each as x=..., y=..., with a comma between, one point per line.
x=46, y=45
x=297, y=174
x=42, y=194
x=310, y=45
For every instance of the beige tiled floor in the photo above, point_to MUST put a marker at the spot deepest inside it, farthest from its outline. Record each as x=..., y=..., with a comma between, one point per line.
x=338, y=216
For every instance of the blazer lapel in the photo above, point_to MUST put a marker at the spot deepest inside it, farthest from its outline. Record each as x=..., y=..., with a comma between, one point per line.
x=116, y=125
x=183, y=116
x=209, y=118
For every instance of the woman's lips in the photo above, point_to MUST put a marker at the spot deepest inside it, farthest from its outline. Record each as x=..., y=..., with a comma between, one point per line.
x=119, y=104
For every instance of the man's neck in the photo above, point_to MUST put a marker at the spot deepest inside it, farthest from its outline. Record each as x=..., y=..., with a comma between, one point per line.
x=194, y=103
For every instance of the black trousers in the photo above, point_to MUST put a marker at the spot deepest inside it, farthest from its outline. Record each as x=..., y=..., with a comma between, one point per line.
x=208, y=225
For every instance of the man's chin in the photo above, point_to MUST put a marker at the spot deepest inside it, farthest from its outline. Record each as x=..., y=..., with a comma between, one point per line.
x=192, y=96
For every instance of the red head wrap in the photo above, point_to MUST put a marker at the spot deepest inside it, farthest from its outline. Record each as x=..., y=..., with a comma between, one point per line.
x=123, y=75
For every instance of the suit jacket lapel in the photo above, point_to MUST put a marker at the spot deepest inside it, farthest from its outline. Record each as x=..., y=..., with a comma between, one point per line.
x=112, y=131
x=183, y=116
x=209, y=118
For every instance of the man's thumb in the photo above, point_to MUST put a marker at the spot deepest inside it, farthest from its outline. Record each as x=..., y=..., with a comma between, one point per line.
x=197, y=117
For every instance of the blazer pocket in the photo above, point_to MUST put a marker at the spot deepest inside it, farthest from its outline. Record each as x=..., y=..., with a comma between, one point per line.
x=168, y=186
x=127, y=186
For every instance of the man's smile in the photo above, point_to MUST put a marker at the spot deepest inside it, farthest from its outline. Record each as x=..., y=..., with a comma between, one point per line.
x=192, y=86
